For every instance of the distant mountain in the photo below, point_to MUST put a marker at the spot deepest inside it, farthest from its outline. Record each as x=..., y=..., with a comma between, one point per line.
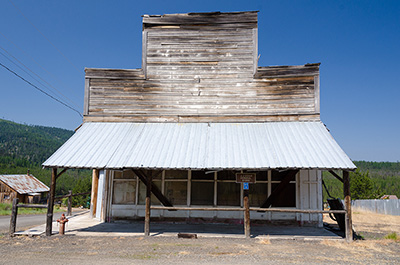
x=24, y=145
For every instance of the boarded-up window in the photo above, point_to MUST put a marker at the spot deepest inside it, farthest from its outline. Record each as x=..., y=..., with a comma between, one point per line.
x=124, y=192
x=202, y=193
x=228, y=194
x=176, y=192
x=202, y=188
x=143, y=191
x=258, y=193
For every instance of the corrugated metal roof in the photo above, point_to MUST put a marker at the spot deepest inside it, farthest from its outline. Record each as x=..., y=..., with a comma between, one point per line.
x=201, y=146
x=24, y=184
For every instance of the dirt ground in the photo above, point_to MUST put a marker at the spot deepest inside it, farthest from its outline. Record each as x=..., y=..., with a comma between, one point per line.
x=171, y=250
x=372, y=225
x=168, y=250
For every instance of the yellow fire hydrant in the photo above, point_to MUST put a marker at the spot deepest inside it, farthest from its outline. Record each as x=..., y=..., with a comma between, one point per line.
x=62, y=222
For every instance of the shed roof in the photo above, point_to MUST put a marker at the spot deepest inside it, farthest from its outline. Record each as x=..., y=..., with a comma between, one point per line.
x=24, y=184
x=267, y=145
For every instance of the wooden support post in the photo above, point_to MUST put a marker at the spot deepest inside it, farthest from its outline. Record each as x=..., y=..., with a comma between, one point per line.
x=246, y=213
x=69, y=211
x=93, y=197
x=50, y=202
x=347, y=202
x=148, y=205
x=13, y=219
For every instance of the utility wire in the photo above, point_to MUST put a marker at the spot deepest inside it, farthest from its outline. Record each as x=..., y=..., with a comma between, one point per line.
x=34, y=74
x=15, y=45
x=44, y=36
x=44, y=92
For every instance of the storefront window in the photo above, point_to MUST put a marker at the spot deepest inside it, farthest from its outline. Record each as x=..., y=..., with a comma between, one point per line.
x=143, y=191
x=202, y=193
x=124, y=192
x=287, y=198
x=258, y=193
x=228, y=194
x=176, y=192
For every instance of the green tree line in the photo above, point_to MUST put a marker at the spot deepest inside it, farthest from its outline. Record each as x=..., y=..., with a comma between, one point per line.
x=371, y=180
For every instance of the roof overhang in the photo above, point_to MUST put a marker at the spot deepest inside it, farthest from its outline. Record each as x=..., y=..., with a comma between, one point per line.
x=215, y=146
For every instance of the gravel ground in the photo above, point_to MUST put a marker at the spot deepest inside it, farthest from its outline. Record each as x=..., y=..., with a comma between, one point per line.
x=171, y=250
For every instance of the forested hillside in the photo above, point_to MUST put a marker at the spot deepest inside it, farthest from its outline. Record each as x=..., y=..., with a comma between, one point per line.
x=24, y=147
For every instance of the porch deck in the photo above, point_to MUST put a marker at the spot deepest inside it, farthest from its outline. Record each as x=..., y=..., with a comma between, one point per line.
x=83, y=225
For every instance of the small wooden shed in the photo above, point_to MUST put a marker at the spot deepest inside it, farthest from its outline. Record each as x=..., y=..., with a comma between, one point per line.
x=26, y=188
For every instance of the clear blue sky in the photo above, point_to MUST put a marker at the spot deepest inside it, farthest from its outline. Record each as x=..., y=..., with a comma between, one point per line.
x=357, y=43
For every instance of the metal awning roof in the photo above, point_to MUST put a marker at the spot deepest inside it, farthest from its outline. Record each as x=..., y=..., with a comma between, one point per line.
x=296, y=145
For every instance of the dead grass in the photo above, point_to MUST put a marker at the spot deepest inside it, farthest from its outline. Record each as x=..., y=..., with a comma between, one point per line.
x=360, y=247
x=265, y=241
x=372, y=225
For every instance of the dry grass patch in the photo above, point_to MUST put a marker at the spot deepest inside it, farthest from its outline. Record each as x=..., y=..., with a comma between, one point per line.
x=264, y=241
x=362, y=247
x=372, y=222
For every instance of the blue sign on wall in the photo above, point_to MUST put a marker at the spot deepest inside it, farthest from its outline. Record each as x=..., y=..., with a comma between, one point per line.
x=245, y=185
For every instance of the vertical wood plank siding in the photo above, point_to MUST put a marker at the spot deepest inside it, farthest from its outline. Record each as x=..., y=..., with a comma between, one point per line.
x=201, y=67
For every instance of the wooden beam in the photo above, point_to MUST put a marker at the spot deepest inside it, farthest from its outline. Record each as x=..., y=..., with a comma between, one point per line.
x=93, y=198
x=62, y=172
x=285, y=181
x=50, y=202
x=69, y=209
x=347, y=202
x=13, y=219
x=154, y=189
x=336, y=175
x=239, y=209
x=246, y=214
x=148, y=205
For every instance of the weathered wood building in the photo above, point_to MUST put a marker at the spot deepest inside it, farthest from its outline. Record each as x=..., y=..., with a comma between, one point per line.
x=199, y=111
x=26, y=188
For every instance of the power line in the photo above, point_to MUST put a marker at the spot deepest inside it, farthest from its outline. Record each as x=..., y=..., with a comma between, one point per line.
x=44, y=36
x=19, y=48
x=44, y=92
x=70, y=101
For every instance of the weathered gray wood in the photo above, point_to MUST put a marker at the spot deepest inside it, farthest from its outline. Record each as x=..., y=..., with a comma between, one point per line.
x=13, y=218
x=144, y=53
x=347, y=202
x=201, y=18
x=69, y=207
x=255, y=51
x=86, y=97
x=50, y=202
x=203, y=67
